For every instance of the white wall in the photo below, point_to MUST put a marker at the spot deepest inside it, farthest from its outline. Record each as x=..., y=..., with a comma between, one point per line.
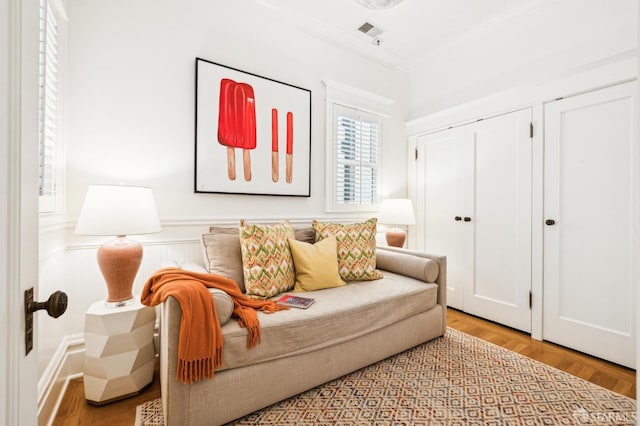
x=130, y=98
x=543, y=41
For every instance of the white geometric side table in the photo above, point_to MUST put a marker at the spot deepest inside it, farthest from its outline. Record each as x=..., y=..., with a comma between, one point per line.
x=119, y=351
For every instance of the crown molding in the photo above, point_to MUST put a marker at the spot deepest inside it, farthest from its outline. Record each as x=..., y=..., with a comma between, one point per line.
x=481, y=30
x=330, y=34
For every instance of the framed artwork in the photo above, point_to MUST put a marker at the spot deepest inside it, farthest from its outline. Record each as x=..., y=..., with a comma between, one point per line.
x=253, y=134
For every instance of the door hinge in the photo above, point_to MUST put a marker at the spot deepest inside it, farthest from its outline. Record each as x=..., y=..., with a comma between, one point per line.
x=531, y=130
x=416, y=151
x=530, y=300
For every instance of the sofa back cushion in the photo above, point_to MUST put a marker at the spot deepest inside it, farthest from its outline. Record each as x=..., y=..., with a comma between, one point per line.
x=222, y=254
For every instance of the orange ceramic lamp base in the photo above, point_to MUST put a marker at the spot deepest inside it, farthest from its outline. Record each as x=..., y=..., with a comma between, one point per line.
x=396, y=237
x=119, y=261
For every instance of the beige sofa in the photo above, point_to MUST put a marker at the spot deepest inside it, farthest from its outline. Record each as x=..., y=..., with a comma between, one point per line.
x=347, y=328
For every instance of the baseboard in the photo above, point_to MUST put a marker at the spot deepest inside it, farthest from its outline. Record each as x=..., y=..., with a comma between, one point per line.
x=65, y=365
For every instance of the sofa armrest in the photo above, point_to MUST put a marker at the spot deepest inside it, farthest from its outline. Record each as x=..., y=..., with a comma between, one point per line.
x=394, y=257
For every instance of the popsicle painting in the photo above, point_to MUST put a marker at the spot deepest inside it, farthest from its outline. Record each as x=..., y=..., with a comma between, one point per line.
x=258, y=119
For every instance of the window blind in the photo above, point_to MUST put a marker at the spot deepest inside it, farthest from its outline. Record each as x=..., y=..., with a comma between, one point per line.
x=48, y=72
x=357, y=140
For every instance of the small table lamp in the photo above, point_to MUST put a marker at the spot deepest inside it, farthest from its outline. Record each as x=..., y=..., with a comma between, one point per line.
x=396, y=211
x=118, y=210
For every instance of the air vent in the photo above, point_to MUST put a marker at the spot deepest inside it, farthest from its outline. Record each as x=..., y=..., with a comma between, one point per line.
x=370, y=30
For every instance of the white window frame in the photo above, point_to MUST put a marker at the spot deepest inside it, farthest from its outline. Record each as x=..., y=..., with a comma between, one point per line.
x=340, y=97
x=51, y=106
x=358, y=117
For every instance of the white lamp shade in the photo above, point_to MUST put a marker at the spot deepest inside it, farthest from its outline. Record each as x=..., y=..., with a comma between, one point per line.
x=118, y=210
x=396, y=211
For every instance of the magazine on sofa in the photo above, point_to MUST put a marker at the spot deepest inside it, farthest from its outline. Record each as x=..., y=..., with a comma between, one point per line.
x=295, y=301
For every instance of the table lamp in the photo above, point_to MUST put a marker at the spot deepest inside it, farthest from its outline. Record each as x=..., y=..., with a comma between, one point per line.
x=118, y=210
x=396, y=211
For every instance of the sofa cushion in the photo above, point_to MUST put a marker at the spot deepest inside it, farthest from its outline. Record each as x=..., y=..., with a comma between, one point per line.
x=356, y=248
x=316, y=265
x=266, y=258
x=420, y=268
x=223, y=256
x=338, y=314
x=307, y=235
x=223, y=302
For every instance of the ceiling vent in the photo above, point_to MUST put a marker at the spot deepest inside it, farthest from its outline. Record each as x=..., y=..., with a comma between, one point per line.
x=370, y=30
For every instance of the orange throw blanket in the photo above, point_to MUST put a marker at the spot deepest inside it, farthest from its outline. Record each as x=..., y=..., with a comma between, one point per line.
x=200, y=342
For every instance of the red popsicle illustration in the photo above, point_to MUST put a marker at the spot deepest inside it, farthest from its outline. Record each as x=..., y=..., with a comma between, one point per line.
x=289, y=161
x=275, y=163
x=237, y=123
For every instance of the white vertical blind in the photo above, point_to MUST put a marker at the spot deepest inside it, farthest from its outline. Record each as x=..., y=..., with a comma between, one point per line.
x=48, y=73
x=357, y=142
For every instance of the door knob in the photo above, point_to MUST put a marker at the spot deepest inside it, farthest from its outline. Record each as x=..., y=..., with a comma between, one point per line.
x=550, y=222
x=55, y=306
x=457, y=218
x=467, y=219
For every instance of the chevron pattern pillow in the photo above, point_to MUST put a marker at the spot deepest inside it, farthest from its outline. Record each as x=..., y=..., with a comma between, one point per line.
x=267, y=263
x=356, y=248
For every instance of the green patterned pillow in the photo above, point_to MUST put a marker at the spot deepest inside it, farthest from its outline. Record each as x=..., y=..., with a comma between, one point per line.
x=267, y=263
x=356, y=248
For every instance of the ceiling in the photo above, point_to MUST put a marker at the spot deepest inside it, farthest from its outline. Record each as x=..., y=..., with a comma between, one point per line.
x=412, y=30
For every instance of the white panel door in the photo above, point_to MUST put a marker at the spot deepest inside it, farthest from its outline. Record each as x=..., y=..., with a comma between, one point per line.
x=500, y=219
x=474, y=193
x=441, y=190
x=588, y=193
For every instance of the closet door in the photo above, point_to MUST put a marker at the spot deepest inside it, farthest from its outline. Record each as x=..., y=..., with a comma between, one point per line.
x=443, y=186
x=474, y=189
x=588, y=195
x=500, y=212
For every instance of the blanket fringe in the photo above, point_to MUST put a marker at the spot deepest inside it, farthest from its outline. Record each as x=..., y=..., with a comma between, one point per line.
x=191, y=371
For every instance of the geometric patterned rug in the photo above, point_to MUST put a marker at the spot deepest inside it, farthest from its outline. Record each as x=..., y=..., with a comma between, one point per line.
x=457, y=379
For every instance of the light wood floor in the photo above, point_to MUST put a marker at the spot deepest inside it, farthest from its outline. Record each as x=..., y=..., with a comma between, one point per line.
x=74, y=410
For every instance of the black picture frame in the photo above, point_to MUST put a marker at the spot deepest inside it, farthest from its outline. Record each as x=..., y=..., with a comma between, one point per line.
x=252, y=133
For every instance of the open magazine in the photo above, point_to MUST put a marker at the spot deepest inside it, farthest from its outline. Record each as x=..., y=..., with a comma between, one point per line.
x=295, y=301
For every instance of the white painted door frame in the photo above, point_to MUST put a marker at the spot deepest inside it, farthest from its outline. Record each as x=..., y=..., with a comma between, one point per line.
x=18, y=205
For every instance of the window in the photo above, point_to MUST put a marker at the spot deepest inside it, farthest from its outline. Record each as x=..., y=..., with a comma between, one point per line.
x=49, y=106
x=354, y=132
x=356, y=157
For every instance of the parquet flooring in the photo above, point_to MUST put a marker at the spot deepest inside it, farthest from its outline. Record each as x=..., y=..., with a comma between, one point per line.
x=74, y=410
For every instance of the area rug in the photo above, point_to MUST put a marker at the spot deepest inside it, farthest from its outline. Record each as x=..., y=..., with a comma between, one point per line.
x=457, y=379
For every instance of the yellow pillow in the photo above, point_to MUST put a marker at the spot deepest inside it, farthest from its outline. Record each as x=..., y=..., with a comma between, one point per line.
x=316, y=264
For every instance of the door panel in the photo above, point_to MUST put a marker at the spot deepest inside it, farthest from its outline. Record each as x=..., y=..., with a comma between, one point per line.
x=588, y=294
x=501, y=218
x=439, y=187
